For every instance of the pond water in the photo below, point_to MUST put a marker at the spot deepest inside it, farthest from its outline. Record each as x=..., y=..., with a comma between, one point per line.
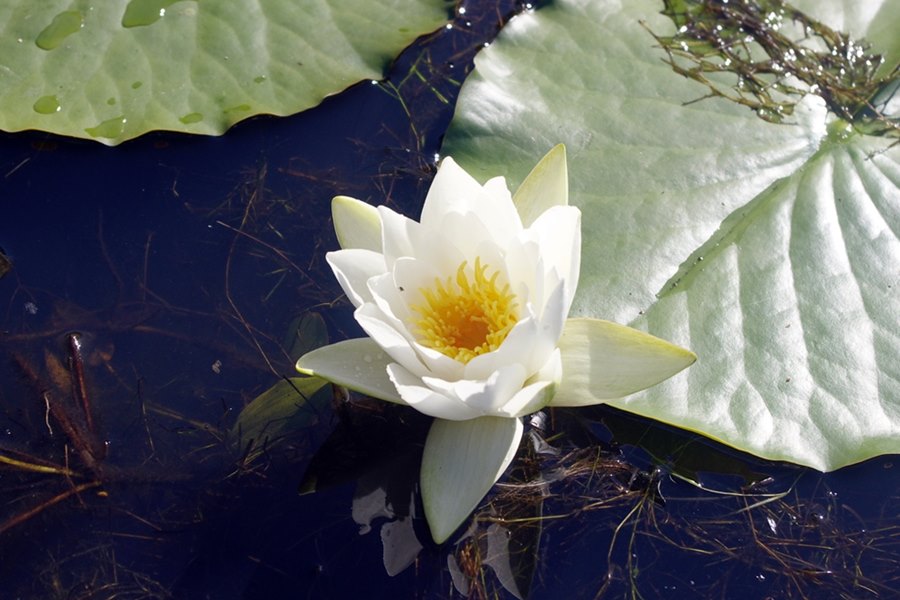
x=157, y=288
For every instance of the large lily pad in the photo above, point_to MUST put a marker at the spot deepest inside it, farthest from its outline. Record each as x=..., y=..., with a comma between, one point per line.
x=769, y=249
x=111, y=70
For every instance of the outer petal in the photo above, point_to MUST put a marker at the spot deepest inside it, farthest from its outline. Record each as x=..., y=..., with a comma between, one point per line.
x=377, y=325
x=486, y=396
x=540, y=389
x=529, y=399
x=546, y=186
x=426, y=400
x=358, y=364
x=603, y=360
x=461, y=462
x=356, y=224
x=353, y=269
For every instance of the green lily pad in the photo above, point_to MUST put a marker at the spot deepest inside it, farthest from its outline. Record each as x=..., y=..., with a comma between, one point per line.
x=771, y=250
x=111, y=71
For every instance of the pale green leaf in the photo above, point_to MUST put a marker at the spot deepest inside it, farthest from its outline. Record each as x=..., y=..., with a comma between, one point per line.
x=770, y=250
x=358, y=364
x=794, y=314
x=603, y=360
x=305, y=333
x=281, y=410
x=356, y=224
x=111, y=70
x=462, y=460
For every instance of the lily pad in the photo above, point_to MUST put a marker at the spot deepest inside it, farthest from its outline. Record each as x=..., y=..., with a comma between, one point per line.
x=111, y=71
x=291, y=405
x=771, y=250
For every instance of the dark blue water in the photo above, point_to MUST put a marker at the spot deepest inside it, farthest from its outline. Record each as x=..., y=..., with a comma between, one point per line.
x=182, y=264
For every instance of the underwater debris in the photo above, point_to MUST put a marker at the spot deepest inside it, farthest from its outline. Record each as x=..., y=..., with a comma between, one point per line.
x=778, y=55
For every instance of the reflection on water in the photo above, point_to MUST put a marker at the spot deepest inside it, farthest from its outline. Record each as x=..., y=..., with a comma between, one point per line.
x=149, y=293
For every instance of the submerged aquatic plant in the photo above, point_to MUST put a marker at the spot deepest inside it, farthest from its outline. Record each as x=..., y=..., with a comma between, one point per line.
x=779, y=54
x=466, y=317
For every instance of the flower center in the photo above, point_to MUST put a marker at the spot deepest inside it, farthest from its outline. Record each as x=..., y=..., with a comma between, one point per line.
x=464, y=317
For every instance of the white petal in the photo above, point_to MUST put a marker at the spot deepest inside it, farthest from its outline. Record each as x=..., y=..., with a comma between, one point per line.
x=546, y=186
x=358, y=364
x=538, y=394
x=498, y=212
x=455, y=191
x=353, y=268
x=385, y=295
x=515, y=349
x=391, y=301
x=551, y=370
x=356, y=224
x=461, y=462
x=391, y=307
x=468, y=233
x=405, y=238
x=552, y=323
x=378, y=326
x=603, y=360
x=525, y=271
x=486, y=396
x=426, y=400
x=558, y=232
x=452, y=190
x=439, y=365
x=497, y=188
x=410, y=276
x=529, y=399
x=396, y=230
x=529, y=343
x=394, y=312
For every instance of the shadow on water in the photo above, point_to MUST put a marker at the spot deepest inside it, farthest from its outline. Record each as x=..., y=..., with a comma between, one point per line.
x=151, y=292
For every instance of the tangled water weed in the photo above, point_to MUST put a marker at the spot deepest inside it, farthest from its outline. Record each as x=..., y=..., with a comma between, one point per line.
x=774, y=55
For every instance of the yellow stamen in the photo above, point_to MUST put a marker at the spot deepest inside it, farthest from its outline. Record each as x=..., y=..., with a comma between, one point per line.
x=465, y=318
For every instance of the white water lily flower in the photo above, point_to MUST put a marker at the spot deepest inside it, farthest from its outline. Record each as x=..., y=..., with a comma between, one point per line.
x=466, y=313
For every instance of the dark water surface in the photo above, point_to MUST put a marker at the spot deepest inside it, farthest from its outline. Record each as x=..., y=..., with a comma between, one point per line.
x=181, y=267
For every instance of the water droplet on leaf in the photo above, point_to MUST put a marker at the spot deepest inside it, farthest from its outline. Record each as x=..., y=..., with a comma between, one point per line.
x=140, y=13
x=110, y=128
x=193, y=117
x=46, y=105
x=237, y=109
x=63, y=25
